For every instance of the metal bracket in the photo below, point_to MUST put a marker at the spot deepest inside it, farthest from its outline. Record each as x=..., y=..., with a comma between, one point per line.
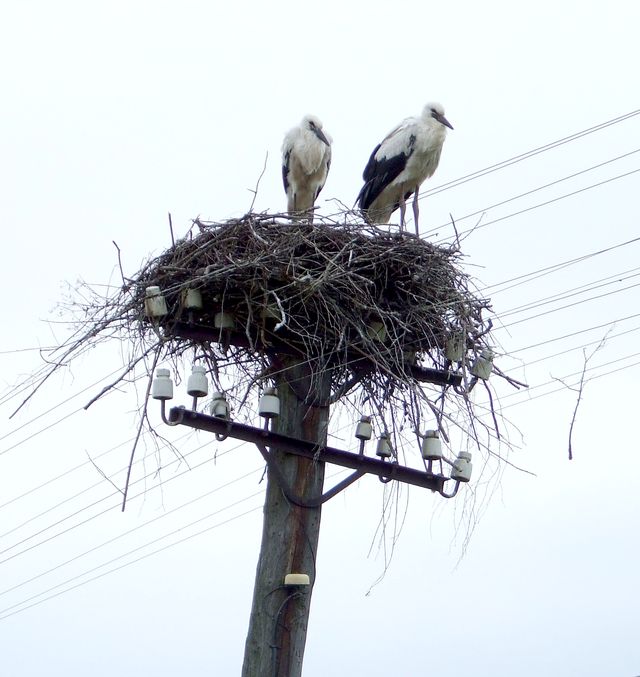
x=360, y=463
x=316, y=502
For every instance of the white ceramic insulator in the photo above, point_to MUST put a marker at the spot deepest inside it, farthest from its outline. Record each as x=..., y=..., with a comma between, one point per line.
x=197, y=385
x=454, y=350
x=162, y=385
x=483, y=365
x=296, y=579
x=462, y=467
x=376, y=330
x=193, y=299
x=223, y=321
x=431, y=446
x=219, y=406
x=271, y=311
x=384, y=447
x=269, y=406
x=364, y=429
x=155, y=304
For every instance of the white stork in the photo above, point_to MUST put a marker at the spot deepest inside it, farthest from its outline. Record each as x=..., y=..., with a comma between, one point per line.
x=400, y=163
x=306, y=157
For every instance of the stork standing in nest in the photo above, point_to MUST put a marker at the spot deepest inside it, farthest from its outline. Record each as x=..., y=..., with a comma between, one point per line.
x=405, y=158
x=306, y=158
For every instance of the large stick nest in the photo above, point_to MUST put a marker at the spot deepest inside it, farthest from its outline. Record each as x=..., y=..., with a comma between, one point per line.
x=358, y=299
x=376, y=310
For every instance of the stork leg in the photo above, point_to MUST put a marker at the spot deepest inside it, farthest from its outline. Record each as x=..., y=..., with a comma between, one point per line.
x=416, y=211
x=403, y=209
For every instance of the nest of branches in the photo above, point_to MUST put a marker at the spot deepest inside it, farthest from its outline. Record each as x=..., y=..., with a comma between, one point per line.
x=320, y=289
x=377, y=311
x=388, y=320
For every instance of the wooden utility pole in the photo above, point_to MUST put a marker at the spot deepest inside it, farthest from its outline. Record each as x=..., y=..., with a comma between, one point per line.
x=279, y=615
x=296, y=457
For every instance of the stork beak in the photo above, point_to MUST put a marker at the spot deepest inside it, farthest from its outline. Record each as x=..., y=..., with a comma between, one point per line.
x=320, y=135
x=442, y=120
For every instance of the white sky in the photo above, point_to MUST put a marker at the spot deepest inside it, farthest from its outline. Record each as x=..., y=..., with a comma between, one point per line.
x=114, y=114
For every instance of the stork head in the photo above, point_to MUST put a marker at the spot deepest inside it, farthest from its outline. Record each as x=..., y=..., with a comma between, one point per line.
x=436, y=111
x=313, y=124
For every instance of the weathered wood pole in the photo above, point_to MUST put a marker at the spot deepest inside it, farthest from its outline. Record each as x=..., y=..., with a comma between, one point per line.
x=279, y=616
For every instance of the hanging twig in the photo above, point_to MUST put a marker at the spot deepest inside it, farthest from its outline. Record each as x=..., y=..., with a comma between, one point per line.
x=139, y=431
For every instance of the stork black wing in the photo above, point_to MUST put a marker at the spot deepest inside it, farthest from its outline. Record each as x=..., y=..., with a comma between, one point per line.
x=285, y=171
x=378, y=174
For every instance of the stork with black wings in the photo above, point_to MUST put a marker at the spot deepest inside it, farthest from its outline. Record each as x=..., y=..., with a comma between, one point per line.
x=405, y=158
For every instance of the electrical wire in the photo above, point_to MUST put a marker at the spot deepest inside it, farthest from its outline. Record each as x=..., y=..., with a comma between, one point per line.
x=576, y=333
x=555, y=182
x=25, y=350
x=570, y=376
x=48, y=411
x=526, y=155
x=99, y=483
x=546, y=358
x=556, y=267
x=91, y=461
x=565, y=307
x=134, y=529
x=542, y=204
x=138, y=559
x=569, y=293
x=573, y=385
x=9, y=611
x=520, y=279
x=102, y=512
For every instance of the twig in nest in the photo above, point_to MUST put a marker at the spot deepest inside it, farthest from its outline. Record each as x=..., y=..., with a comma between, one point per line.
x=255, y=190
x=124, y=282
x=455, y=230
x=173, y=240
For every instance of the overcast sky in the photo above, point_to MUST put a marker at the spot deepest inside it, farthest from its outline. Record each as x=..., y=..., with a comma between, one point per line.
x=114, y=114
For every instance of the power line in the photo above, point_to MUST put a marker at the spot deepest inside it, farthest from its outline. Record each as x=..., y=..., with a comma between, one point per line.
x=93, y=486
x=102, y=512
x=573, y=385
x=534, y=190
x=536, y=274
x=569, y=305
x=526, y=155
x=572, y=375
x=138, y=559
x=543, y=204
x=130, y=531
x=11, y=608
x=570, y=293
x=48, y=411
x=25, y=350
x=570, y=350
x=576, y=333
x=4, y=614
x=78, y=467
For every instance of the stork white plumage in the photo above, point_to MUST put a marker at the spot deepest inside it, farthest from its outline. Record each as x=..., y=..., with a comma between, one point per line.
x=306, y=158
x=407, y=156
